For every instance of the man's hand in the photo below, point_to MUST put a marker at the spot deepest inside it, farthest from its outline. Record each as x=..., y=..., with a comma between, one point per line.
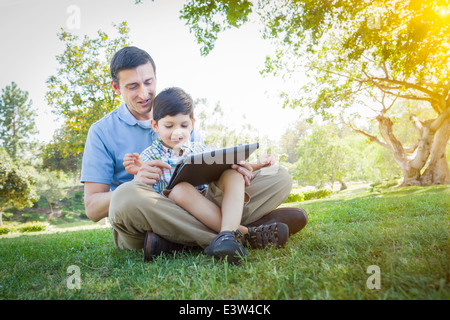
x=150, y=171
x=266, y=160
x=245, y=169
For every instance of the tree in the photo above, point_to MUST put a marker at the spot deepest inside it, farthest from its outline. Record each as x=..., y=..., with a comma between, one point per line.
x=17, y=187
x=358, y=53
x=208, y=18
x=16, y=119
x=81, y=92
x=55, y=155
x=290, y=139
x=51, y=186
x=215, y=126
x=324, y=157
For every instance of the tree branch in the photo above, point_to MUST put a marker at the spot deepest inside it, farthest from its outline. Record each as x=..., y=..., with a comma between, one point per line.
x=380, y=87
x=412, y=149
x=410, y=86
x=440, y=120
x=371, y=137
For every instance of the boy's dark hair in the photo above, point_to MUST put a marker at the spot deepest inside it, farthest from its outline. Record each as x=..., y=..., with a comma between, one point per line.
x=171, y=102
x=129, y=58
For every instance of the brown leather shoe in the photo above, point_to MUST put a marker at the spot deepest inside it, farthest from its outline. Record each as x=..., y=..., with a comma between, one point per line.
x=154, y=245
x=267, y=235
x=295, y=218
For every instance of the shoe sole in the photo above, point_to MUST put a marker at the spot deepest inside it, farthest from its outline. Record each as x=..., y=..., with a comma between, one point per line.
x=227, y=251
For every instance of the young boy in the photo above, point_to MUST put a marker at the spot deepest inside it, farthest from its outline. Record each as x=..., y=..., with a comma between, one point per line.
x=173, y=119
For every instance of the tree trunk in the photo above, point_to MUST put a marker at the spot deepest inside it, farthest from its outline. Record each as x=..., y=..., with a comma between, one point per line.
x=343, y=185
x=437, y=171
x=411, y=171
x=434, y=135
x=433, y=141
x=50, y=205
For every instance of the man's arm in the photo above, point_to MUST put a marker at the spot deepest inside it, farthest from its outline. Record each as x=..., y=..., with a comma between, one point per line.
x=266, y=160
x=96, y=200
x=97, y=195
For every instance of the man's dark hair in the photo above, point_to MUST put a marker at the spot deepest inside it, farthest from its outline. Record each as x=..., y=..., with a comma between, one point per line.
x=129, y=58
x=172, y=101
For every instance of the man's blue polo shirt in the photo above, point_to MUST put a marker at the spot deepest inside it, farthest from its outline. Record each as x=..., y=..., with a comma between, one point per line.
x=109, y=139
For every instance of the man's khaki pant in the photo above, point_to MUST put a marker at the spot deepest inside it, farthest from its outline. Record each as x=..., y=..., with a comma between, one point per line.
x=136, y=208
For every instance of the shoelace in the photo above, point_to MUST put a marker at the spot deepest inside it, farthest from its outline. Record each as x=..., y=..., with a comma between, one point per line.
x=263, y=236
x=230, y=235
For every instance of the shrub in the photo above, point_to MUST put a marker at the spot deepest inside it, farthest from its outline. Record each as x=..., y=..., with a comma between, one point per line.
x=309, y=195
x=383, y=184
x=17, y=186
x=34, y=226
x=5, y=229
x=295, y=197
x=317, y=194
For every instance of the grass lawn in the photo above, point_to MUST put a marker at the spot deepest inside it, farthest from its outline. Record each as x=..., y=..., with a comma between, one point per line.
x=404, y=232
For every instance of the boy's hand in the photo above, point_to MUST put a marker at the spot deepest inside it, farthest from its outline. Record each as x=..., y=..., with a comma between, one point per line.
x=151, y=171
x=132, y=163
x=245, y=169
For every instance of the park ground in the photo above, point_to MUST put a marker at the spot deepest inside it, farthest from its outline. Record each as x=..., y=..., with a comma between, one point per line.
x=361, y=243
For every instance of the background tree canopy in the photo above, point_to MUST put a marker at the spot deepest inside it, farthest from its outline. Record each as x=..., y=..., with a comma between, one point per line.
x=355, y=53
x=16, y=120
x=81, y=91
x=17, y=186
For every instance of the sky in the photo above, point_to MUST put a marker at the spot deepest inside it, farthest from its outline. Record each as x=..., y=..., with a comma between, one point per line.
x=230, y=74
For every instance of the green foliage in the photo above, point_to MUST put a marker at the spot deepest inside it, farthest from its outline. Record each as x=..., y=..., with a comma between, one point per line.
x=289, y=140
x=317, y=194
x=6, y=229
x=56, y=159
x=215, y=126
x=208, y=18
x=295, y=197
x=357, y=54
x=309, y=195
x=17, y=186
x=16, y=120
x=383, y=184
x=66, y=210
x=35, y=226
x=355, y=49
x=52, y=186
x=81, y=92
x=324, y=157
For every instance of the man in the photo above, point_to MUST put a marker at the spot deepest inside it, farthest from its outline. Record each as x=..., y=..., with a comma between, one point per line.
x=140, y=217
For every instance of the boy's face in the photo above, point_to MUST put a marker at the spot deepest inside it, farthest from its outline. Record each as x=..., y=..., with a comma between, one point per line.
x=174, y=130
x=137, y=88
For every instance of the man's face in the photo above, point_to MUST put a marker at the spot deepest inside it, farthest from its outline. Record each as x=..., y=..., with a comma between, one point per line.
x=137, y=88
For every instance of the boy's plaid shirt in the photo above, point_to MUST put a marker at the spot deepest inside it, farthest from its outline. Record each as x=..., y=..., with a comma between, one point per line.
x=157, y=151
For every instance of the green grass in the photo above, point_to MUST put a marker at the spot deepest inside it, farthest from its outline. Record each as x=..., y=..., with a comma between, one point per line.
x=405, y=232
